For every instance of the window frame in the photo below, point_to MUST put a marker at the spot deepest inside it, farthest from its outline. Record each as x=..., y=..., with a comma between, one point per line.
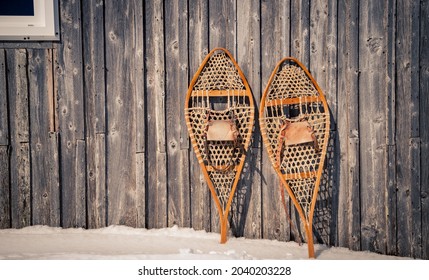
x=43, y=26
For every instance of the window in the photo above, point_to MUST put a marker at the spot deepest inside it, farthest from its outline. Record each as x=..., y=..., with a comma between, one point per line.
x=29, y=20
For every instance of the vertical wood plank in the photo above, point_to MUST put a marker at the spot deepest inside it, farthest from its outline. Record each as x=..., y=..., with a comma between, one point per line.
x=323, y=61
x=20, y=193
x=247, y=206
x=4, y=128
x=5, y=218
x=372, y=127
x=275, y=42
x=44, y=145
x=348, y=220
x=300, y=31
x=176, y=56
x=407, y=127
x=198, y=49
x=95, y=106
x=424, y=122
x=222, y=26
x=69, y=92
x=121, y=55
x=391, y=209
x=156, y=192
x=140, y=112
x=141, y=189
x=80, y=186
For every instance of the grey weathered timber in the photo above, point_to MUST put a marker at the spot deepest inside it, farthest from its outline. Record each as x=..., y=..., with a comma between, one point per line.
x=424, y=123
x=20, y=188
x=198, y=49
x=95, y=106
x=4, y=129
x=407, y=129
x=5, y=218
x=275, y=41
x=372, y=126
x=156, y=191
x=140, y=112
x=120, y=97
x=347, y=191
x=45, y=185
x=323, y=62
x=176, y=39
x=69, y=94
x=247, y=204
x=92, y=128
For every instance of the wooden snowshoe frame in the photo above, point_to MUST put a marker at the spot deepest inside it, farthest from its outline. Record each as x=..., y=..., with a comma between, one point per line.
x=220, y=92
x=292, y=94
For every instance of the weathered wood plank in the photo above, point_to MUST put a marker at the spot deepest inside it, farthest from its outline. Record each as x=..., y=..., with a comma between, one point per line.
x=69, y=91
x=5, y=219
x=347, y=191
x=20, y=185
x=18, y=95
x=300, y=31
x=141, y=189
x=176, y=39
x=121, y=55
x=275, y=41
x=20, y=193
x=391, y=213
x=323, y=61
x=248, y=203
x=373, y=94
x=140, y=111
x=407, y=125
x=140, y=83
x=222, y=27
x=80, y=186
x=44, y=146
x=198, y=49
x=4, y=128
x=424, y=122
x=96, y=190
x=156, y=191
x=95, y=106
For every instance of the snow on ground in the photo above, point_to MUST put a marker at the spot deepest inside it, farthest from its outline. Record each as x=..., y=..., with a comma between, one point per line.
x=121, y=242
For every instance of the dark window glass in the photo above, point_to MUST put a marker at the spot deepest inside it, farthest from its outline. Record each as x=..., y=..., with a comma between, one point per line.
x=17, y=8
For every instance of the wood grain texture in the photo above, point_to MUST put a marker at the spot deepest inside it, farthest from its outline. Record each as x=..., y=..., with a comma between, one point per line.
x=372, y=126
x=198, y=49
x=5, y=217
x=407, y=129
x=424, y=123
x=92, y=128
x=176, y=39
x=156, y=191
x=121, y=55
x=45, y=191
x=20, y=185
x=69, y=92
x=347, y=192
x=246, y=214
x=95, y=110
x=4, y=128
x=275, y=19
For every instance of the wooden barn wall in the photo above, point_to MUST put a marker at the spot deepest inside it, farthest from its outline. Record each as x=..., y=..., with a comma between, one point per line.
x=92, y=130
